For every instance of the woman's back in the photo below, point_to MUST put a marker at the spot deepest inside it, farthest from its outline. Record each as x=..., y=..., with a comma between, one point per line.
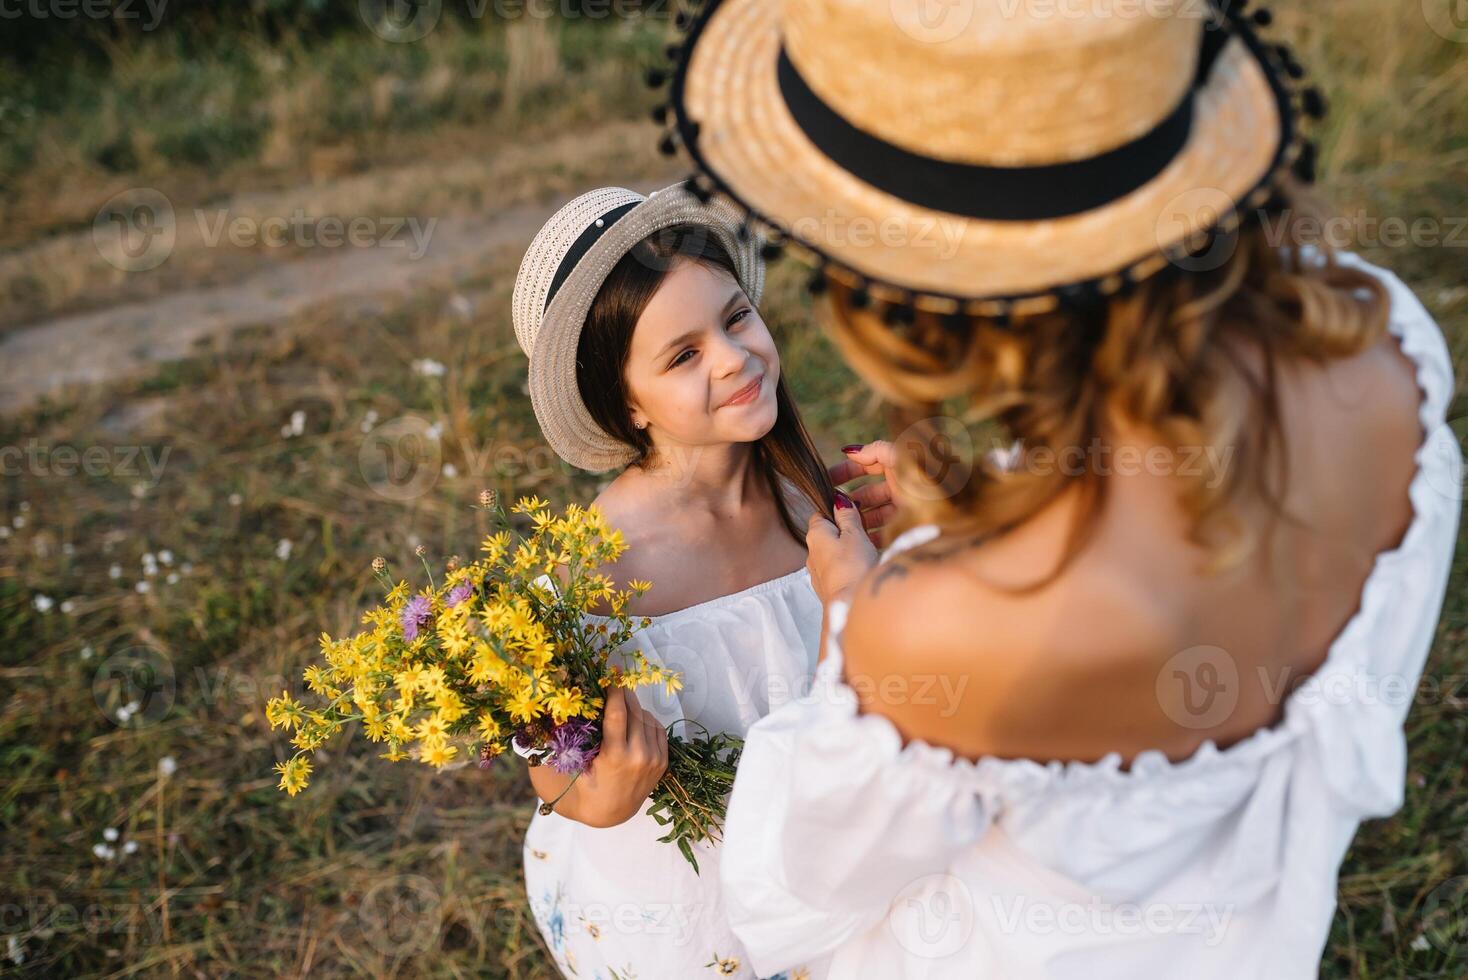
x=1197, y=825
x=1071, y=671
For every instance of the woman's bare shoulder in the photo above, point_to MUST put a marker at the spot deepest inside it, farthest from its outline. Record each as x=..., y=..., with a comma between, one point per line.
x=952, y=655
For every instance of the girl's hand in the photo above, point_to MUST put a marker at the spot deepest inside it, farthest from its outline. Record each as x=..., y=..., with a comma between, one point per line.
x=632, y=758
x=877, y=500
x=839, y=554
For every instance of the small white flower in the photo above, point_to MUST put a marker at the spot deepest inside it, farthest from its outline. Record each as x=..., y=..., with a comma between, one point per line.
x=165, y=556
x=141, y=586
x=172, y=578
x=129, y=846
x=123, y=714
x=110, y=834
x=15, y=949
x=371, y=415
x=461, y=305
x=42, y=603
x=167, y=766
x=18, y=521
x=87, y=652
x=68, y=606
x=298, y=422
x=148, y=558
x=140, y=490
x=4, y=532
x=435, y=431
x=25, y=505
x=67, y=548
x=104, y=851
x=285, y=431
x=283, y=548
x=1420, y=944
x=429, y=368
x=115, y=571
x=450, y=470
x=235, y=500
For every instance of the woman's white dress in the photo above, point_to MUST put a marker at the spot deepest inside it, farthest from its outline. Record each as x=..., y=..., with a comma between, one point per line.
x=617, y=903
x=849, y=851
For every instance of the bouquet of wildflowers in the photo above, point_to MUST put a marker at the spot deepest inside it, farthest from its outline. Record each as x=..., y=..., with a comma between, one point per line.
x=499, y=651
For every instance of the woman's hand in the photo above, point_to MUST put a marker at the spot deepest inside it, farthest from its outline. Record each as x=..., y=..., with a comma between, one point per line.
x=632, y=758
x=839, y=554
x=877, y=500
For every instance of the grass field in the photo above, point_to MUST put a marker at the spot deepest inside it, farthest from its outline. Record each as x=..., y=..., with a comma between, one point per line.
x=237, y=507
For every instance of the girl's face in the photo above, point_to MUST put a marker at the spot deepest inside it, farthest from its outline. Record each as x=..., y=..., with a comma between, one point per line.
x=702, y=367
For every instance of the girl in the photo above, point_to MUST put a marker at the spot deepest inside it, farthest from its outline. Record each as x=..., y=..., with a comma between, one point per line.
x=647, y=351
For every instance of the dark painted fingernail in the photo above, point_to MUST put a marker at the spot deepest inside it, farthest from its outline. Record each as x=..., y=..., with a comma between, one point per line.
x=855, y=448
x=843, y=501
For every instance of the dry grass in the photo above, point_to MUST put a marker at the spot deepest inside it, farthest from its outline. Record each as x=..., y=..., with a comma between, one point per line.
x=391, y=871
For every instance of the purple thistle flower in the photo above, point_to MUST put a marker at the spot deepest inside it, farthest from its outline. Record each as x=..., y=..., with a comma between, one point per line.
x=458, y=594
x=571, y=748
x=414, y=615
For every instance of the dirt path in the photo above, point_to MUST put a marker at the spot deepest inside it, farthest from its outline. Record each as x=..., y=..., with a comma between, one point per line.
x=125, y=340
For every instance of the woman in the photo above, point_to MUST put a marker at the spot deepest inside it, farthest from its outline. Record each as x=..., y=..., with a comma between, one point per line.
x=1117, y=707
x=647, y=352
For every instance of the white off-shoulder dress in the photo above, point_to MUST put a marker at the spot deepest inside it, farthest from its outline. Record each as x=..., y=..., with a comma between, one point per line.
x=852, y=852
x=616, y=903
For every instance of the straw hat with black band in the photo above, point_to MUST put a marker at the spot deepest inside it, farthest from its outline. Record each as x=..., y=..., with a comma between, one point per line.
x=560, y=276
x=1044, y=154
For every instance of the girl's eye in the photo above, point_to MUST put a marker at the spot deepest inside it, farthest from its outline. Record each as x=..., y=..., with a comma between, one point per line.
x=679, y=359
x=738, y=317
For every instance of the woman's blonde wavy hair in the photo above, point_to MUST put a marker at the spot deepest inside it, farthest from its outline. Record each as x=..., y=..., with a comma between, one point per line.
x=1164, y=356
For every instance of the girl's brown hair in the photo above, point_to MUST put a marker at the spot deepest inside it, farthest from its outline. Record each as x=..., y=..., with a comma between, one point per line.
x=606, y=338
x=1164, y=356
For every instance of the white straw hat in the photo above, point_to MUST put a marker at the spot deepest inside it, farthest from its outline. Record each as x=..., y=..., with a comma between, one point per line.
x=560, y=277
x=988, y=156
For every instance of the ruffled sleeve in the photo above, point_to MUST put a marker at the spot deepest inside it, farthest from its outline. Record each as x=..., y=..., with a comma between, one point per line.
x=831, y=818
x=1353, y=710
